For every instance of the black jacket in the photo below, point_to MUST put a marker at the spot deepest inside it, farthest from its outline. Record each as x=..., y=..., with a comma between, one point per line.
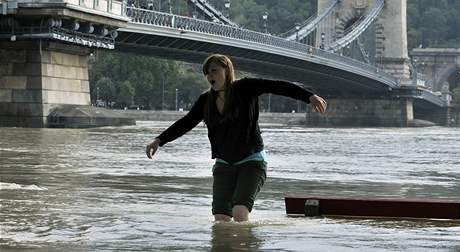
x=234, y=138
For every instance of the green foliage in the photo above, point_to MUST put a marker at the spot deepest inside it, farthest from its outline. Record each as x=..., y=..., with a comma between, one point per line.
x=433, y=23
x=105, y=89
x=456, y=95
x=145, y=81
x=282, y=15
x=125, y=94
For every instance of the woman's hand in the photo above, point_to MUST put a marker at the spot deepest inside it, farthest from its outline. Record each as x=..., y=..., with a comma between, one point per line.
x=318, y=103
x=152, y=148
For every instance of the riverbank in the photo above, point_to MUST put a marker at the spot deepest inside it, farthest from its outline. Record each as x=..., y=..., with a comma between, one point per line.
x=152, y=115
x=272, y=118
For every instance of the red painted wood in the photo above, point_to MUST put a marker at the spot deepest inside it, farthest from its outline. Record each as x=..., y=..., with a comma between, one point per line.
x=412, y=208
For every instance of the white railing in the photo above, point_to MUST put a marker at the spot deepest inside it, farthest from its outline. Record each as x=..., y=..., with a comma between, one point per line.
x=212, y=12
x=182, y=23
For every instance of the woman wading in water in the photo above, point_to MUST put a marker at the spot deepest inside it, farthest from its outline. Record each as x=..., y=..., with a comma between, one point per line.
x=230, y=110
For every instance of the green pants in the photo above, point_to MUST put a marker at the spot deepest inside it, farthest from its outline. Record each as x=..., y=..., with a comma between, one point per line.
x=236, y=185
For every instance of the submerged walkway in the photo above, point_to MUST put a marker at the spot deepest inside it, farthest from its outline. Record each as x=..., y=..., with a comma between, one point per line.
x=151, y=115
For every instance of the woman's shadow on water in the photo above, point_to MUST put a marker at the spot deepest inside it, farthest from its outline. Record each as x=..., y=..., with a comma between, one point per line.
x=234, y=237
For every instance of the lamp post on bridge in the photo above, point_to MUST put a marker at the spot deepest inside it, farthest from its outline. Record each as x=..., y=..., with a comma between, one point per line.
x=323, y=36
x=297, y=28
x=415, y=73
x=177, y=91
x=227, y=8
x=265, y=18
x=163, y=94
x=97, y=96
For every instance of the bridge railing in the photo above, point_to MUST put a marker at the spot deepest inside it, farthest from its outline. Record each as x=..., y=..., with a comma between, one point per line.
x=310, y=24
x=162, y=19
x=211, y=12
x=422, y=93
x=190, y=24
x=361, y=25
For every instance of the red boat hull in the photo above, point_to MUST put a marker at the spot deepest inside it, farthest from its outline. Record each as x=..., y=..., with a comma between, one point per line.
x=409, y=208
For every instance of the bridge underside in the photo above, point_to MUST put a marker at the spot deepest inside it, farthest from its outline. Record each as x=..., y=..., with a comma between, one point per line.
x=329, y=79
x=326, y=80
x=46, y=77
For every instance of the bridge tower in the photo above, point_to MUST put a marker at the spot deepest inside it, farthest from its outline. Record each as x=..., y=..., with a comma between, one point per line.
x=390, y=32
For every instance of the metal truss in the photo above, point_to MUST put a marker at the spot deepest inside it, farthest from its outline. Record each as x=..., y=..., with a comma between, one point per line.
x=309, y=25
x=212, y=12
x=356, y=30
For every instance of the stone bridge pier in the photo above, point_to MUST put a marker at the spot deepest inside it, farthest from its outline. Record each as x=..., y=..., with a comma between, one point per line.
x=357, y=112
x=38, y=76
x=390, y=36
x=44, y=50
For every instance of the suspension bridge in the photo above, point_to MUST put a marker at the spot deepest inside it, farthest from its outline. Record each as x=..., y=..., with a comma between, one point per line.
x=352, y=52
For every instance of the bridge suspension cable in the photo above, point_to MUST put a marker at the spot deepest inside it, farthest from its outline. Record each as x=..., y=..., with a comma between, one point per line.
x=359, y=27
x=184, y=24
x=240, y=37
x=309, y=25
x=211, y=12
x=363, y=52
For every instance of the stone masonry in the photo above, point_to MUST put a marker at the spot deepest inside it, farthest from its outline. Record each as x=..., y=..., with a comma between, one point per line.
x=35, y=77
x=437, y=65
x=364, y=113
x=392, y=57
x=391, y=32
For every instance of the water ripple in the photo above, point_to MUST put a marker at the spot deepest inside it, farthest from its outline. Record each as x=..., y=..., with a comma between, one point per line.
x=94, y=190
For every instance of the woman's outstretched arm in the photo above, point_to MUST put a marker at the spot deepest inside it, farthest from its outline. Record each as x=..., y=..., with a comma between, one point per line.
x=284, y=88
x=180, y=127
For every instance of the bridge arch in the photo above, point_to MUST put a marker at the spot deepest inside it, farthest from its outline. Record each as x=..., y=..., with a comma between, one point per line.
x=440, y=66
x=345, y=21
x=449, y=78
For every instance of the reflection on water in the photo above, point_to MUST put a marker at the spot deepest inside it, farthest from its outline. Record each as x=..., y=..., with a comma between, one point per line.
x=94, y=190
x=234, y=237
